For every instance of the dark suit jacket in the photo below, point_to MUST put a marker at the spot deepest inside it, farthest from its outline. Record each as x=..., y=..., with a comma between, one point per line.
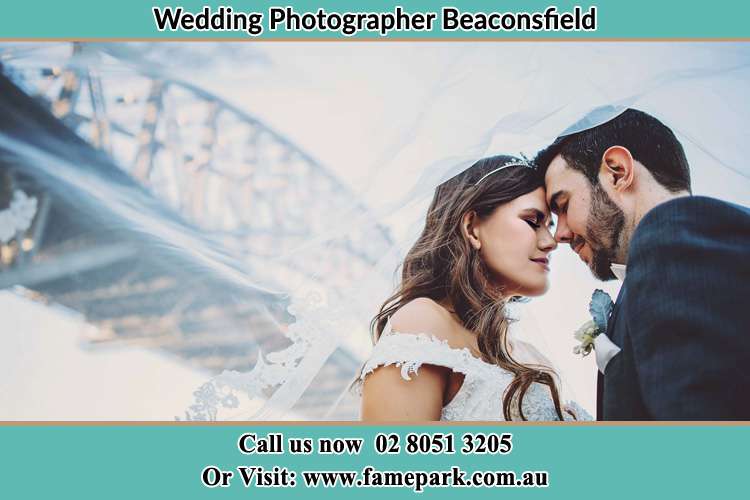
x=682, y=318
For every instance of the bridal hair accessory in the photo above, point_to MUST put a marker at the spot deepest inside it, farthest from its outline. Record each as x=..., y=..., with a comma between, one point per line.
x=600, y=307
x=17, y=217
x=522, y=162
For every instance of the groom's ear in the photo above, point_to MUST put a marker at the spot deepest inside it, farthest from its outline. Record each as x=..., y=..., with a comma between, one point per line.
x=617, y=169
x=469, y=228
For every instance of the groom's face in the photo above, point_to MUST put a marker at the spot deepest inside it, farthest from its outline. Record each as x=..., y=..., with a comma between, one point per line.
x=587, y=219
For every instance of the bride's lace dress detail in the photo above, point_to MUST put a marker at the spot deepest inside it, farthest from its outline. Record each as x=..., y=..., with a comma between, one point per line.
x=480, y=396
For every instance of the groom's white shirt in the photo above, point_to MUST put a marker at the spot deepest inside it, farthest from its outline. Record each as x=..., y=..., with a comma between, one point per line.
x=619, y=271
x=604, y=348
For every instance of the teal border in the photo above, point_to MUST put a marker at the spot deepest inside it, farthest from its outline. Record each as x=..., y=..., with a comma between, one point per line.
x=164, y=461
x=617, y=19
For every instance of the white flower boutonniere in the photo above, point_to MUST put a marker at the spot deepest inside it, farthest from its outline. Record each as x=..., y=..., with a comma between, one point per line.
x=600, y=307
x=586, y=335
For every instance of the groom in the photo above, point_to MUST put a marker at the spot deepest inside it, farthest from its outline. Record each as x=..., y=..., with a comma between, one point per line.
x=681, y=323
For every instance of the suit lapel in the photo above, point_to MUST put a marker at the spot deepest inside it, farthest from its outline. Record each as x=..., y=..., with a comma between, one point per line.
x=611, y=330
x=611, y=334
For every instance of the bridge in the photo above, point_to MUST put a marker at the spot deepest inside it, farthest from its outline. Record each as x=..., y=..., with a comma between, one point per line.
x=167, y=216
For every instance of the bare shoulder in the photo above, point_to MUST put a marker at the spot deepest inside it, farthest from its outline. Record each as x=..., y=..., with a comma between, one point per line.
x=386, y=394
x=425, y=316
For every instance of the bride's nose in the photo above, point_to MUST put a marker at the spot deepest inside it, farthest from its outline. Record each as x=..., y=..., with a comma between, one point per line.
x=546, y=242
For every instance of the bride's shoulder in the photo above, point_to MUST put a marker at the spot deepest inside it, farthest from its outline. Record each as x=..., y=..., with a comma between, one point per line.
x=424, y=316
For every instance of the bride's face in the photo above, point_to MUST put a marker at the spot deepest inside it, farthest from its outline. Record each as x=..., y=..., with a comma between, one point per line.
x=515, y=242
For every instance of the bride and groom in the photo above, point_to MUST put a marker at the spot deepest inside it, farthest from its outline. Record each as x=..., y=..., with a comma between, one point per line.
x=675, y=346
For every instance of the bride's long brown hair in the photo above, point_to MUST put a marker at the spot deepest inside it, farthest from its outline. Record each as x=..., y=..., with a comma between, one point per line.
x=443, y=266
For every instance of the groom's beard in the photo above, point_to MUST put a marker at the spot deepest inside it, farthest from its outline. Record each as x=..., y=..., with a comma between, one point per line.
x=604, y=228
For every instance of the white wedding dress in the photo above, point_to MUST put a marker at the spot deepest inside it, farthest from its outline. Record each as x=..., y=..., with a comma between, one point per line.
x=480, y=396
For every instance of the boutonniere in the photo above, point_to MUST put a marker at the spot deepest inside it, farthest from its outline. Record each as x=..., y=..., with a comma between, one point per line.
x=600, y=308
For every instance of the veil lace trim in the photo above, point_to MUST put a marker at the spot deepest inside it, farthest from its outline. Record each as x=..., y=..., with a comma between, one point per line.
x=286, y=373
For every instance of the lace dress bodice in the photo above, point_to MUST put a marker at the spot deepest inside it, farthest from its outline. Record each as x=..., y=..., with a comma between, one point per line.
x=480, y=396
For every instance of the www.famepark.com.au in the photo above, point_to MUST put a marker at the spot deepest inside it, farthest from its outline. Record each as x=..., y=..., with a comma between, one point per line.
x=370, y=477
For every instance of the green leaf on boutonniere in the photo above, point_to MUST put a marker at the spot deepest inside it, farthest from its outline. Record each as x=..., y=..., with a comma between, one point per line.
x=600, y=308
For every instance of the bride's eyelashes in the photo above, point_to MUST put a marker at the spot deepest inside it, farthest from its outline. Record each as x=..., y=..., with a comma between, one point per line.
x=536, y=218
x=537, y=225
x=533, y=224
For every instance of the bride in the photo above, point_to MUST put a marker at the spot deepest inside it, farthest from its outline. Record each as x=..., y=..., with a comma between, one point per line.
x=443, y=351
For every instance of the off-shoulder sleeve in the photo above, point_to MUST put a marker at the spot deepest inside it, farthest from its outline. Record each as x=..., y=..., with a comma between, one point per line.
x=410, y=351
